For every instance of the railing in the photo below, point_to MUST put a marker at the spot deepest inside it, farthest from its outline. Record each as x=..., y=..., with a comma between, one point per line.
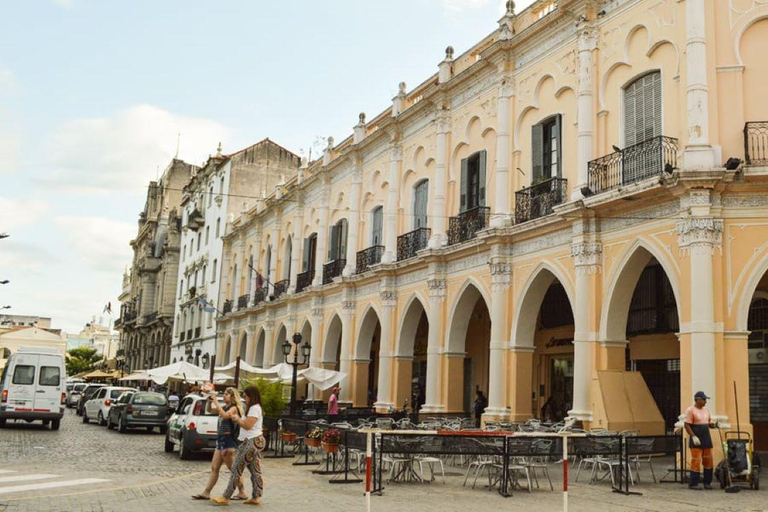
x=129, y=316
x=756, y=143
x=368, y=257
x=303, y=280
x=333, y=269
x=197, y=332
x=150, y=317
x=465, y=226
x=260, y=295
x=181, y=336
x=652, y=157
x=242, y=301
x=537, y=200
x=118, y=322
x=410, y=243
x=227, y=307
x=281, y=287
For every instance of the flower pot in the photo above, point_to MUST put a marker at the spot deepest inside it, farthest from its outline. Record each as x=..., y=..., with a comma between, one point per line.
x=313, y=443
x=289, y=437
x=330, y=448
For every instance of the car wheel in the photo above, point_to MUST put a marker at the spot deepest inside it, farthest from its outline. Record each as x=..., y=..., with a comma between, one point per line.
x=149, y=429
x=55, y=424
x=46, y=422
x=101, y=419
x=2, y=422
x=85, y=417
x=185, y=453
x=121, y=425
x=163, y=429
x=168, y=444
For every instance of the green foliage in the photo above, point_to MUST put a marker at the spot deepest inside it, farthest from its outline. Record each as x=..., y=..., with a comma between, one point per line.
x=272, y=401
x=81, y=359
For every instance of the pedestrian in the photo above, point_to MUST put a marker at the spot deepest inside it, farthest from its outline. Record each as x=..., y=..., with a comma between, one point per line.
x=226, y=442
x=248, y=453
x=333, y=402
x=697, y=424
x=480, y=404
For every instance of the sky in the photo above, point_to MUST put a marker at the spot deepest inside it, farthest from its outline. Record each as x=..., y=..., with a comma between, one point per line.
x=94, y=95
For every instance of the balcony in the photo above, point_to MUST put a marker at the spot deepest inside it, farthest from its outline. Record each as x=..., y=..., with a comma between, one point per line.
x=756, y=143
x=242, y=301
x=281, y=287
x=304, y=280
x=333, y=269
x=466, y=225
x=149, y=318
x=652, y=157
x=537, y=200
x=118, y=322
x=368, y=257
x=260, y=295
x=410, y=243
x=227, y=307
x=129, y=316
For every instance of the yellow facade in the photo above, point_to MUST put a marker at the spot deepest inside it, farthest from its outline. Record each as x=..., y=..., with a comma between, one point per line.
x=533, y=212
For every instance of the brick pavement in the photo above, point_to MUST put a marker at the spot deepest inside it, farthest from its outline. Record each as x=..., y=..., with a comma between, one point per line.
x=141, y=477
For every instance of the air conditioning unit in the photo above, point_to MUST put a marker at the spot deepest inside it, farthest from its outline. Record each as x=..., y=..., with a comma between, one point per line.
x=758, y=356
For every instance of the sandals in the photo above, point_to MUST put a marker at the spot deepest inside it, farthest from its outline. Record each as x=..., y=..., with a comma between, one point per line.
x=239, y=498
x=200, y=497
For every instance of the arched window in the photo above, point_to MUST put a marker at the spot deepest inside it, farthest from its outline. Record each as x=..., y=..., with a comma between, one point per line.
x=642, y=109
x=287, y=260
x=420, y=200
x=377, y=226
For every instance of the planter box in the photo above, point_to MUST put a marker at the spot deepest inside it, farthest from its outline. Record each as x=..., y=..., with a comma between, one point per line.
x=289, y=437
x=330, y=448
x=313, y=443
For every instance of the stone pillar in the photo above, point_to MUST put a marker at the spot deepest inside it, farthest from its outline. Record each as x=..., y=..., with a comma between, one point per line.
x=347, y=341
x=501, y=272
x=316, y=355
x=297, y=244
x=437, y=292
x=440, y=180
x=390, y=229
x=698, y=151
x=587, y=259
x=384, y=398
x=501, y=215
x=322, y=235
x=587, y=43
x=355, y=210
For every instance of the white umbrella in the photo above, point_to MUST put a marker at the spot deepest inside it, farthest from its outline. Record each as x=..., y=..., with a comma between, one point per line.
x=321, y=378
x=181, y=370
x=139, y=375
x=247, y=368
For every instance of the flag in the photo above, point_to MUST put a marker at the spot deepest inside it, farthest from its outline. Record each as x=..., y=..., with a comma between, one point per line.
x=108, y=308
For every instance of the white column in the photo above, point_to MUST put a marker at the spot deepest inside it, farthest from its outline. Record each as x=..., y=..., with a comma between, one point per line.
x=390, y=228
x=269, y=345
x=297, y=245
x=497, y=391
x=585, y=109
x=501, y=197
x=354, y=219
x=698, y=152
x=345, y=362
x=440, y=181
x=318, y=341
x=384, y=398
x=322, y=235
x=437, y=291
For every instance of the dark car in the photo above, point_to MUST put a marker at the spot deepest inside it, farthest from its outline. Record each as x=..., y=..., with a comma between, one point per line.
x=139, y=409
x=86, y=395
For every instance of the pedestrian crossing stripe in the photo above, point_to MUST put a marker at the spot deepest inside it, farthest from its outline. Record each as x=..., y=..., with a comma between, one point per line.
x=46, y=485
x=24, y=478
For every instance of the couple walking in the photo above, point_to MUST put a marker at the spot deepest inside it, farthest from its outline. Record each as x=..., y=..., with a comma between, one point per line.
x=238, y=443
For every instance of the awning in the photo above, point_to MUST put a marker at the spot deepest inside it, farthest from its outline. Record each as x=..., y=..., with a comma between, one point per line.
x=98, y=374
x=140, y=375
x=181, y=370
x=321, y=378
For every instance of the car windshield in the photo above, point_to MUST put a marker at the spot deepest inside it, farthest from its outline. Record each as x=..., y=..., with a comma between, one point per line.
x=79, y=387
x=114, y=393
x=142, y=399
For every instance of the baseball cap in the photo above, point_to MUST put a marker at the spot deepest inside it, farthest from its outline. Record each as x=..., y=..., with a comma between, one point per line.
x=701, y=394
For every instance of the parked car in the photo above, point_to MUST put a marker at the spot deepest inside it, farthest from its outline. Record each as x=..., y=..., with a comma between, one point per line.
x=32, y=387
x=98, y=406
x=73, y=396
x=139, y=409
x=192, y=427
x=86, y=395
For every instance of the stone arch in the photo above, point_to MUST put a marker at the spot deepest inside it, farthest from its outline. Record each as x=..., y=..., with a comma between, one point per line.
x=277, y=351
x=243, y=346
x=332, y=342
x=365, y=333
x=759, y=269
x=228, y=350
x=741, y=28
x=408, y=325
x=258, y=356
x=458, y=320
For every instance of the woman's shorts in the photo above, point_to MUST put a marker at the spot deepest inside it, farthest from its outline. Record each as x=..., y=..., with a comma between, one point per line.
x=225, y=443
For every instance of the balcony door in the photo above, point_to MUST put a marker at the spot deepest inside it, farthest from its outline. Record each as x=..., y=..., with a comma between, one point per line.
x=337, y=248
x=309, y=254
x=473, y=181
x=420, y=199
x=642, y=122
x=377, y=226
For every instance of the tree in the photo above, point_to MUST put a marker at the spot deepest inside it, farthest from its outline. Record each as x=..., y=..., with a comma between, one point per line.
x=81, y=359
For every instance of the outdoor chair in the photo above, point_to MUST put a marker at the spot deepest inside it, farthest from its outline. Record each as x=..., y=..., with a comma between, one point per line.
x=539, y=462
x=644, y=445
x=516, y=465
x=385, y=423
x=431, y=446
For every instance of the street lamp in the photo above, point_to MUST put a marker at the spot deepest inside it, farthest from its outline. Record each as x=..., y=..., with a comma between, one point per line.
x=4, y=235
x=6, y=307
x=190, y=359
x=305, y=350
x=4, y=281
x=206, y=359
x=197, y=356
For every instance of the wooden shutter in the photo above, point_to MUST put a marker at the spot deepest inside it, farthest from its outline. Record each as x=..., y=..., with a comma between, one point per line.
x=312, y=253
x=420, y=204
x=305, y=254
x=537, y=152
x=482, y=159
x=378, y=221
x=630, y=122
x=558, y=127
x=333, y=245
x=464, y=185
x=342, y=235
x=642, y=109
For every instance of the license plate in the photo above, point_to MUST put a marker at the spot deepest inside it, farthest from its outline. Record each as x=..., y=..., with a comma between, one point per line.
x=148, y=413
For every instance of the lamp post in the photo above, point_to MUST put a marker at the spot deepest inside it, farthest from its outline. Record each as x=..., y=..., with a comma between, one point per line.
x=206, y=360
x=197, y=356
x=295, y=363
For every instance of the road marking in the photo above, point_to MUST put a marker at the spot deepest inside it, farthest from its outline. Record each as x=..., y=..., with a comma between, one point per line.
x=22, y=478
x=6, y=471
x=50, y=485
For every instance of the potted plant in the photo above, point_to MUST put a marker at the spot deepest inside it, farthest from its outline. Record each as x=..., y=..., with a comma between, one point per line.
x=331, y=439
x=287, y=436
x=313, y=438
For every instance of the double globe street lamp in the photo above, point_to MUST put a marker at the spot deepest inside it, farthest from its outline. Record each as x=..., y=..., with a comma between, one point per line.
x=305, y=351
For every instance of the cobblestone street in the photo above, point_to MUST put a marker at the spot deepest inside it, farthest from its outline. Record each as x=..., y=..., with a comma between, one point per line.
x=89, y=468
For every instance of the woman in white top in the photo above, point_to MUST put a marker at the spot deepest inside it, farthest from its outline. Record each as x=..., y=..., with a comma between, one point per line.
x=251, y=443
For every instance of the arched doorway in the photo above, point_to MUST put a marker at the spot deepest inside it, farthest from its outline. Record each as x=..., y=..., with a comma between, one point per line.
x=367, y=360
x=243, y=346
x=258, y=357
x=757, y=325
x=228, y=351
x=332, y=345
x=277, y=352
x=411, y=356
x=469, y=346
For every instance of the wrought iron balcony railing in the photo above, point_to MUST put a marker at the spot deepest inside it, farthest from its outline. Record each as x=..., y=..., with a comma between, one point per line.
x=368, y=257
x=410, y=243
x=260, y=295
x=537, y=200
x=652, y=157
x=129, y=316
x=227, y=307
x=118, y=322
x=242, y=301
x=150, y=317
x=756, y=143
x=333, y=269
x=281, y=287
x=465, y=225
x=304, y=280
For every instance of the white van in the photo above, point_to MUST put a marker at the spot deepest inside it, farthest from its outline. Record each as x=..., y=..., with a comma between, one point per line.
x=32, y=387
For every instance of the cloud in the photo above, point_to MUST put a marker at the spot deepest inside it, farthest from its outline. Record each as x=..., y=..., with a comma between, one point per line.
x=462, y=5
x=23, y=259
x=123, y=152
x=20, y=212
x=101, y=242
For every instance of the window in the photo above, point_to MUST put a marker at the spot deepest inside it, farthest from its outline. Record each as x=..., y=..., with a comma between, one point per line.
x=210, y=196
x=24, y=374
x=218, y=223
x=221, y=185
x=310, y=253
x=50, y=376
x=337, y=249
x=377, y=226
x=202, y=276
x=473, y=181
x=268, y=265
x=199, y=237
x=184, y=253
x=191, y=247
x=115, y=393
x=250, y=274
x=420, y=197
x=181, y=288
x=101, y=394
x=546, y=148
x=207, y=232
x=287, y=261
x=213, y=274
x=642, y=109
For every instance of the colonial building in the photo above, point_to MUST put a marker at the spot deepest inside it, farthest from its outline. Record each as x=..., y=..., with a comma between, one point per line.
x=226, y=186
x=569, y=216
x=148, y=296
